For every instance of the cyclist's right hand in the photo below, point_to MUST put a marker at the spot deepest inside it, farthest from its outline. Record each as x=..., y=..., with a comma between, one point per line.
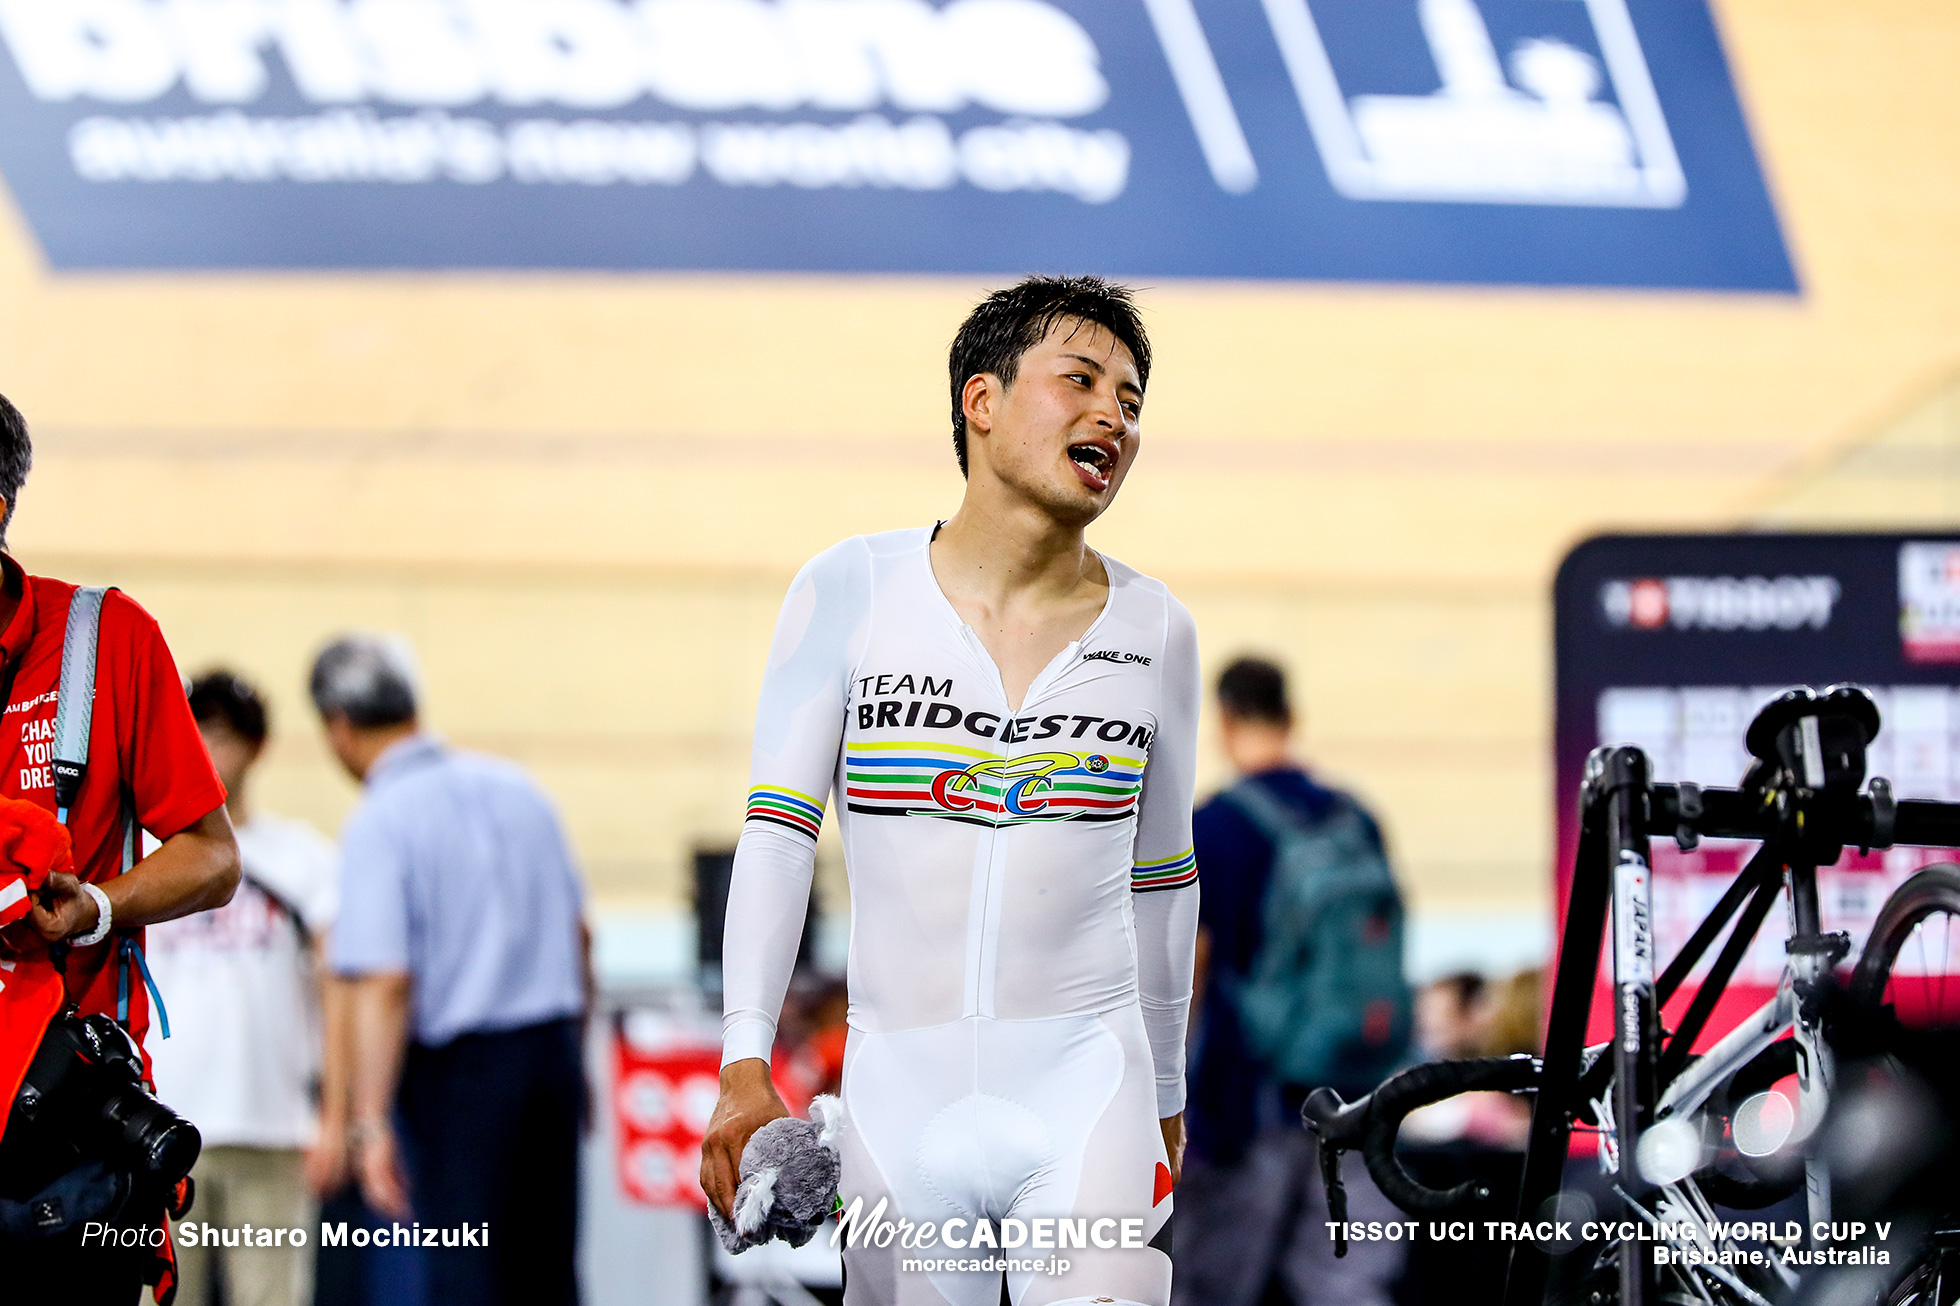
x=748, y=1101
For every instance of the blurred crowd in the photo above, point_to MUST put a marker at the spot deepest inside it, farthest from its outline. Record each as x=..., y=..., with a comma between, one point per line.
x=388, y=1033
x=1466, y=1015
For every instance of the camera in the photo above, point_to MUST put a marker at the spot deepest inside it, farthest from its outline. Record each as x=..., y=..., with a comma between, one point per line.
x=83, y=1100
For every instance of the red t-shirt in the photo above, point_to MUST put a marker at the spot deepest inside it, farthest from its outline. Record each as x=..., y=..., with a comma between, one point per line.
x=142, y=738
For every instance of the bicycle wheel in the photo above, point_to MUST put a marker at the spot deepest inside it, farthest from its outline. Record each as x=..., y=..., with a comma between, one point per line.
x=1911, y=962
x=1929, y=1281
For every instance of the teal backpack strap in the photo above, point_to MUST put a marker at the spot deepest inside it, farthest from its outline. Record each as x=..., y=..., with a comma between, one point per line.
x=128, y=950
x=1273, y=818
x=1287, y=829
x=74, y=716
x=1262, y=809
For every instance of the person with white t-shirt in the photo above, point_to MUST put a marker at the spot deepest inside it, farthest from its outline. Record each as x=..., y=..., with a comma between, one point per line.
x=244, y=1061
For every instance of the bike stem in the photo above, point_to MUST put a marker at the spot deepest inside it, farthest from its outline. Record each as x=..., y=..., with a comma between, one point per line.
x=1813, y=954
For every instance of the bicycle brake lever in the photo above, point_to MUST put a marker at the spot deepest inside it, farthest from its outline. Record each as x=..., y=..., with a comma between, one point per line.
x=1330, y=1175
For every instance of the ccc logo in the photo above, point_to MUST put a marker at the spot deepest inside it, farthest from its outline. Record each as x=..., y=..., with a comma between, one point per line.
x=1023, y=782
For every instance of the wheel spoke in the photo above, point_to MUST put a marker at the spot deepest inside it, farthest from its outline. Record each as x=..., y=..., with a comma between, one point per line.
x=1914, y=975
x=1946, y=957
x=1919, y=944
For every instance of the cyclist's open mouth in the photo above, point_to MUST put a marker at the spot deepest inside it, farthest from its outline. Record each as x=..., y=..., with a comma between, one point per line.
x=1094, y=460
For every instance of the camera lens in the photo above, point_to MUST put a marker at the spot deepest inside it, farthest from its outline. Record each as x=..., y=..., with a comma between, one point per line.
x=83, y=1099
x=146, y=1131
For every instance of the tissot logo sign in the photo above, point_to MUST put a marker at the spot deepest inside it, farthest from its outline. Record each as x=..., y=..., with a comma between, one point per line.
x=1720, y=602
x=1549, y=141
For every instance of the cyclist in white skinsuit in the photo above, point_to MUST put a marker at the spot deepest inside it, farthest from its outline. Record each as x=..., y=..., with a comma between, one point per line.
x=1023, y=916
x=1016, y=880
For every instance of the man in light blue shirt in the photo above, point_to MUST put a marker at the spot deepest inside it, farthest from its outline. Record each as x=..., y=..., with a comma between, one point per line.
x=462, y=936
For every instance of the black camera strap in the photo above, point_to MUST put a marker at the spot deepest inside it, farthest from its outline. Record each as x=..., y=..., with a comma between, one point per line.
x=74, y=716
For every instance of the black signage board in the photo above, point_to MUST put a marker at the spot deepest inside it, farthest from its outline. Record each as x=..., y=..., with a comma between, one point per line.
x=1672, y=643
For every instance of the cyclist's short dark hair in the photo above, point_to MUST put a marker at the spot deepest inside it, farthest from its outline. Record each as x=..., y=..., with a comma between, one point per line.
x=16, y=457
x=369, y=679
x=1254, y=689
x=221, y=695
x=1008, y=323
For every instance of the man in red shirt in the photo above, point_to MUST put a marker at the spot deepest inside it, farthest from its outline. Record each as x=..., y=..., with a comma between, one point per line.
x=143, y=742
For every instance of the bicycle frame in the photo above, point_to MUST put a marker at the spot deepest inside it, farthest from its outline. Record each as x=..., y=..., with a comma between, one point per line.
x=1799, y=828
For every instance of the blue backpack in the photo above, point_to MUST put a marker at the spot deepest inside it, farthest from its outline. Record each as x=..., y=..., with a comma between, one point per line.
x=1325, y=1002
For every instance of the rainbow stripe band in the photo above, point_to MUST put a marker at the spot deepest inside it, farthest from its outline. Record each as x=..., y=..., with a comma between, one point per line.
x=952, y=782
x=799, y=812
x=1170, y=873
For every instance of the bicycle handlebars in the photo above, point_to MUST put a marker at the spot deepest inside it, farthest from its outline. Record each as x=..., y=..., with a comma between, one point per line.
x=1873, y=820
x=1371, y=1123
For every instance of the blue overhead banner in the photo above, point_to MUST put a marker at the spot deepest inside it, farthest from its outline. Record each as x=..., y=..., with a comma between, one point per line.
x=1549, y=142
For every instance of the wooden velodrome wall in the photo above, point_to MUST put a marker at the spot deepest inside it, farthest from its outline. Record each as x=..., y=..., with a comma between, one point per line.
x=583, y=495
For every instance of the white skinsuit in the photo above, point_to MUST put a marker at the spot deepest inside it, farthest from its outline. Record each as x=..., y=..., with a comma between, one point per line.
x=1023, y=916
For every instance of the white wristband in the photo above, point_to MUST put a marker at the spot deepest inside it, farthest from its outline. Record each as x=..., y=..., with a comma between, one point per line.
x=102, y=918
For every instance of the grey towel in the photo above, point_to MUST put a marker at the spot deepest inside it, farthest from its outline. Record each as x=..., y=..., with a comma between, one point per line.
x=790, y=1170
